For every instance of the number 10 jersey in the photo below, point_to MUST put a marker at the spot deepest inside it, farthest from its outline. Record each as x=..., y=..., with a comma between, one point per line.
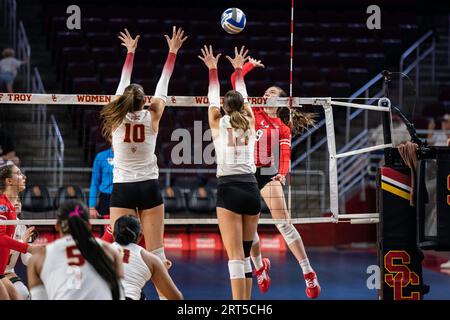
x=134, y=143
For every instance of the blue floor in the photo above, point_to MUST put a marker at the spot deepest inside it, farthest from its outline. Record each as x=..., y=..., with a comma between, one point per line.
x=342, y=275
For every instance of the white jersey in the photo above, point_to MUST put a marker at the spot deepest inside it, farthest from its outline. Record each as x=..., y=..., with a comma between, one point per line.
x=14, y=255
x=134, y=149
x=234, y=150
x=137, y=273
x=68, y=276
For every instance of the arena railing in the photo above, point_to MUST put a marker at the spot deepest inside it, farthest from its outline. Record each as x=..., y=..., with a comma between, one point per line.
x=415, y=64
x=39, y=111
x=54, y=152
x=371, y=93
x=9, y=19
x=24, y=53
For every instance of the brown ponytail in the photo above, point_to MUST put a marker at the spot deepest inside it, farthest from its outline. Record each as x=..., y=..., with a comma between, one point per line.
x=239, y=121
x=300, y=122
x=5, y=173
x=131, y=100
x=233, y=103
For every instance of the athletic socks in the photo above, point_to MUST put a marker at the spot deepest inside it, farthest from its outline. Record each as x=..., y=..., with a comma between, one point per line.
x=306, y=267
x=257, y=262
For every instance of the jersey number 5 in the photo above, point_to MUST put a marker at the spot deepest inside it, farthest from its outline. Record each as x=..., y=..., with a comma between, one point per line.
x=138, y=133
x=74, y=256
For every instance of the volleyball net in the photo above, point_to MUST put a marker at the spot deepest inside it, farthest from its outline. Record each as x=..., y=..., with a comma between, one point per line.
x=313, y=192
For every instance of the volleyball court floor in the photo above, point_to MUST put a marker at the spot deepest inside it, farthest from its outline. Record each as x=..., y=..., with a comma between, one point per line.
x=203, y=275
x=342, y=275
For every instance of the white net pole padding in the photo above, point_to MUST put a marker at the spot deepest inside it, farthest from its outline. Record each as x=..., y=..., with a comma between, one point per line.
x=360, y=106
x=331, y=141
x=180, y=221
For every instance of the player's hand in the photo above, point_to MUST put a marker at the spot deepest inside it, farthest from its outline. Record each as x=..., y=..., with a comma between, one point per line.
x=176, y=41
x=93, y=213
x=255, y=63
x=239, y=57
x=208, y=57
x=128, y=41
x=28, y=234
x=281, y=178
x=34, y=248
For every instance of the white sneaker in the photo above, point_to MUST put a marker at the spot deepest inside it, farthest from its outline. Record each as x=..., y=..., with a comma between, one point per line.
x=446, y=265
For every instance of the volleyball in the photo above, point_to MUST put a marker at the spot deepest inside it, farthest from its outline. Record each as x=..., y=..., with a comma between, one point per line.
x=233, y=20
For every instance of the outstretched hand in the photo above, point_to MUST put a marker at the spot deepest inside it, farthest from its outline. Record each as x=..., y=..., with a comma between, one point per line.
x=255, y=63
x=128, y=41
x=239, y=57
x=208, y=57
x=177, y=39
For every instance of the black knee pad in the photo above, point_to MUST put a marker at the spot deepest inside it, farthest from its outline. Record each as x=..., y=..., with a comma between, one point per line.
x=247, y=247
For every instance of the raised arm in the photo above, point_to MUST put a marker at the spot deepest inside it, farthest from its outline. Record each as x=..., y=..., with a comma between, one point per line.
x=160, y=97
x=214, y=87
x=237, y=62
x=131, y=45
x=247, y=67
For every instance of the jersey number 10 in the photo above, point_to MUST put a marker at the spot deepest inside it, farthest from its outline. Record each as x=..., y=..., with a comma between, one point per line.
x=134, y=133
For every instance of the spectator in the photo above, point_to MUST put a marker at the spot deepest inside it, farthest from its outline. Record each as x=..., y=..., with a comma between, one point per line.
x=400, y=133
x=8, y=68
x=7, y=152
x=101, y=184
x=440, y=138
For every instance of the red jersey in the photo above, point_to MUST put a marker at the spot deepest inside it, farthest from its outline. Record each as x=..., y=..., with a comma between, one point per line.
x=7, y=243
x=271, y=133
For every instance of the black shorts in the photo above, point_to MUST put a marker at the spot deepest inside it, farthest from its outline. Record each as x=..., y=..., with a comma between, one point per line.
x=103, y=204
x=136, y=195
x=239, y=193
x=266, y=177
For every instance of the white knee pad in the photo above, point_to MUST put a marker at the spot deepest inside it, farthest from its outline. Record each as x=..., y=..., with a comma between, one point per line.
x=24, y=294
x=289, y=232
x=237, y=269
x=160, y=253
x=247, y=266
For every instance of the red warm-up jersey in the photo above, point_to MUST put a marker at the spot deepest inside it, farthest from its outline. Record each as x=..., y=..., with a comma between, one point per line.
x=271, y=134
x=7, y=243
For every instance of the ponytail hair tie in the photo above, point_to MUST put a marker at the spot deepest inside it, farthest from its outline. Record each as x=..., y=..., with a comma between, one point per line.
x=75, y=213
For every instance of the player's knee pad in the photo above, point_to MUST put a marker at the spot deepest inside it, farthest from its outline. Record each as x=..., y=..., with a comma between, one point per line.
x=248, y=268
x=289, y=232
x=160, y=254
x=22, y=290
x=236, y=269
